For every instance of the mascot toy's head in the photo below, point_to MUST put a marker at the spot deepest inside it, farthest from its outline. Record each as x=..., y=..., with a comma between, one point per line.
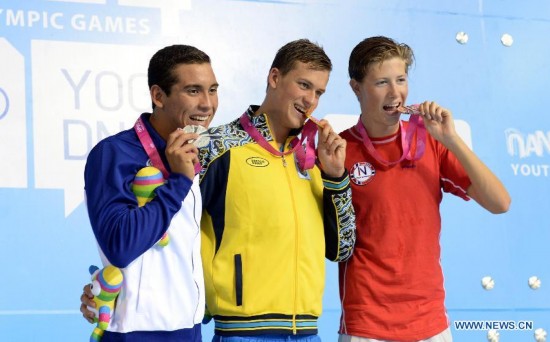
x=106, y=285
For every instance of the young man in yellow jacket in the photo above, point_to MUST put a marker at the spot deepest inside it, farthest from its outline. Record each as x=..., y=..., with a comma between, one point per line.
x=273, y=208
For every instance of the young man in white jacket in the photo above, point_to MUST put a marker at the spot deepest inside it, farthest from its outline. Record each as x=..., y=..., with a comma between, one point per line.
x=162, y=297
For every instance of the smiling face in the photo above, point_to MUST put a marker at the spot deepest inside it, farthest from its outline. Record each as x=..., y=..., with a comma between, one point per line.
x=383, y=89
x=291, y=95
x=193, y=99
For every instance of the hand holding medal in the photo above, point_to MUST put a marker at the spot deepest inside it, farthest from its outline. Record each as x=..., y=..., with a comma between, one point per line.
x=181, y=153
x=427, y=110
x=332, y=148
x=437, y=120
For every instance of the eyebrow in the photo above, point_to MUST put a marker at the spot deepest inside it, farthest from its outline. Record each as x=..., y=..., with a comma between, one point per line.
x=389, y=78
x=200, y=86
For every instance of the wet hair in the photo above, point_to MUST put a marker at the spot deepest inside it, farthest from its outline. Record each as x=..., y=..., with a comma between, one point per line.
x=376, y=50
x=301, y=50
x=165, y=60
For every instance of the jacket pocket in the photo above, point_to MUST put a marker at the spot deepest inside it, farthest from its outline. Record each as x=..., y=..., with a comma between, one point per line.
x=238, y=279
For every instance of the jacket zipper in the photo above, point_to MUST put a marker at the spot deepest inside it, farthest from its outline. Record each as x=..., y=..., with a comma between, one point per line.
x=294, y=205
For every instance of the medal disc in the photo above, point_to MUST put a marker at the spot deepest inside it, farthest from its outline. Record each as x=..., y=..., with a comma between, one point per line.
x=203, y=138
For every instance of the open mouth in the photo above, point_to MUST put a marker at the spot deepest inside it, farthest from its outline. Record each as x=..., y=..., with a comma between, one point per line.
x=300, y=110
x=199, y=119
x=391, y=107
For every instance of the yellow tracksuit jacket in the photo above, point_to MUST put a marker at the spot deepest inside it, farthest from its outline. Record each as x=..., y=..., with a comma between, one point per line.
x=266, y=229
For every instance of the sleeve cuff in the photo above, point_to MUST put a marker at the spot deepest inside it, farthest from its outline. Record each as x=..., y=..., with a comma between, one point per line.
x=336, y=184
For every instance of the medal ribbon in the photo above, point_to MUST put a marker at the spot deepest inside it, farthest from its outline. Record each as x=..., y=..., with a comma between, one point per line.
x=151, y=149
x=305, y=156
x=406, y=140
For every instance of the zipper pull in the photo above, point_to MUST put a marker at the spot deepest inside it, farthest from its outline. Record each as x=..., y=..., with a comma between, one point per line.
x=284, y=160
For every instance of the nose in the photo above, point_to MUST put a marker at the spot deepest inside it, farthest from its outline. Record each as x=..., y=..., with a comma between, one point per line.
x=310, y=99
x=207, y=101
x=393, y=90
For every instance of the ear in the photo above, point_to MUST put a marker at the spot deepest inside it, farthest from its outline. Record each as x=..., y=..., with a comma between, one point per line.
x=157, y=95
x=355, y=87
x=273, y=78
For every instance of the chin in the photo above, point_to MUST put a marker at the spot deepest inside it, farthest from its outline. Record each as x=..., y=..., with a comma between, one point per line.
x=299, y=125
x=299, y=122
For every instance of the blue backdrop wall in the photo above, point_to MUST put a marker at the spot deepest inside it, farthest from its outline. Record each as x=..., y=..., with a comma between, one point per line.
x=74, y=71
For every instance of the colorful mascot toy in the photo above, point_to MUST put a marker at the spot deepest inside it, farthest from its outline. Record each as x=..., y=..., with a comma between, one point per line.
x=106, y=284
x=147, y=180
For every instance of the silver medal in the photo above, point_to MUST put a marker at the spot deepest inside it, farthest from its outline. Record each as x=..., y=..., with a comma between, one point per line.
x=203, y=138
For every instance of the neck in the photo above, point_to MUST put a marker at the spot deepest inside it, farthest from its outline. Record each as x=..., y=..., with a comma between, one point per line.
x=279, y=132
x=377, y=130
x=159, y=126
